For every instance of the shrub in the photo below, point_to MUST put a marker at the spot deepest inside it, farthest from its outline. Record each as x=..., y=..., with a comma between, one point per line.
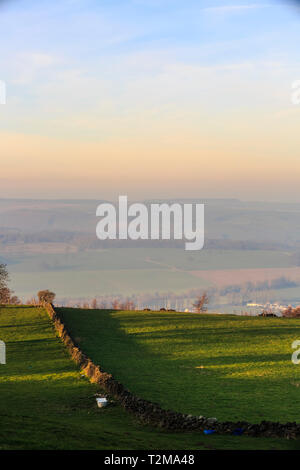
x=46, y=296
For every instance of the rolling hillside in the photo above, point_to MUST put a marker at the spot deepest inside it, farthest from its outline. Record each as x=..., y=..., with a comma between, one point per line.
x=45, y=403
x=230, y=367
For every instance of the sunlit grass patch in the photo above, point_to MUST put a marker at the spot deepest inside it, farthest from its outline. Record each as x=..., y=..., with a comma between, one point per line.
x=195, y=363
x=46, y=403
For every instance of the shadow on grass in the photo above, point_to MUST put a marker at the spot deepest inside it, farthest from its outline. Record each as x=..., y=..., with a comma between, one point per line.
x=163, y=365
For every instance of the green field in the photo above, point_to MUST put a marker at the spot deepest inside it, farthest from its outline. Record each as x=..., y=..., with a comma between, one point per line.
x=87, y=284
x=129, y=271
x=228, y=367
x=45, y=403
x=146, y=258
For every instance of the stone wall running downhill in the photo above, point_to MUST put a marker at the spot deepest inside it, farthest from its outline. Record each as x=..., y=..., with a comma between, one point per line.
x=152, y=414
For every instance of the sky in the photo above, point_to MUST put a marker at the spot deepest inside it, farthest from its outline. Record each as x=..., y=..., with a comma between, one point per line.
x=149, y=98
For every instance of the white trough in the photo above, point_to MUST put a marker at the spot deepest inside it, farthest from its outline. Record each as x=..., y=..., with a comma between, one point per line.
x=102, y=402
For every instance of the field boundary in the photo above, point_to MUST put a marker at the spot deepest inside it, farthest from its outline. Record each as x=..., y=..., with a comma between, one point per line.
x=151, y=413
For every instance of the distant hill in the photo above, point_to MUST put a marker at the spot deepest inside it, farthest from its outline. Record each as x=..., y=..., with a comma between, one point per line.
x=225, y=219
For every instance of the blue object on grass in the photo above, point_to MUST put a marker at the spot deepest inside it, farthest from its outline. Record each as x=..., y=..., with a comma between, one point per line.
x=209, y=431
x=238, y=432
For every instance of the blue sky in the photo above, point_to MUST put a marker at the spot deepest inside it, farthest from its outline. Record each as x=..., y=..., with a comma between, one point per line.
x=115, y=27
x=129, y=74
x=43, y=40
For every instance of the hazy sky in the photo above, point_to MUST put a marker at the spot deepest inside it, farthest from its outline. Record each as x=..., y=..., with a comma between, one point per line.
x=150, y=98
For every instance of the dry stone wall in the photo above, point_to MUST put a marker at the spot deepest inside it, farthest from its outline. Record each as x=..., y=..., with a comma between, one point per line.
x=152, y=414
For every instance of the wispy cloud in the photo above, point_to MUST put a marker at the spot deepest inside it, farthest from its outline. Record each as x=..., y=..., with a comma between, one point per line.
x=27, y=65
x=235, y=8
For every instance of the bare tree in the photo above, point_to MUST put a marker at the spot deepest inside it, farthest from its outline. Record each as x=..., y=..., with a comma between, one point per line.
x=46, y=296
x=201, y=303
x=127, y=305
x=4, y=277
x=115, y=304
x=6, y=296
x=291, y=312
x=14, y=300
x=32, y=301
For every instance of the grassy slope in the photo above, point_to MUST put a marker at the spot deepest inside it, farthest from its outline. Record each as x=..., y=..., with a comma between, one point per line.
x=46, y=404
x=215, y=365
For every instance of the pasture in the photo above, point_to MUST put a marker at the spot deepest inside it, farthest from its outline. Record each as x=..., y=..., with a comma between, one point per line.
x=127, y=271
x=225, y=366
x=46, y=403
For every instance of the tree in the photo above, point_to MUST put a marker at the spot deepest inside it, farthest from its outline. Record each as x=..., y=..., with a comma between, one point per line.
x=4, y=277
x=201, y=302
x=6, y=296
x=32, y=301
x=291, y=312
x=14, y=300
x=115, y=304
x=127, y=305
x=46, y=296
